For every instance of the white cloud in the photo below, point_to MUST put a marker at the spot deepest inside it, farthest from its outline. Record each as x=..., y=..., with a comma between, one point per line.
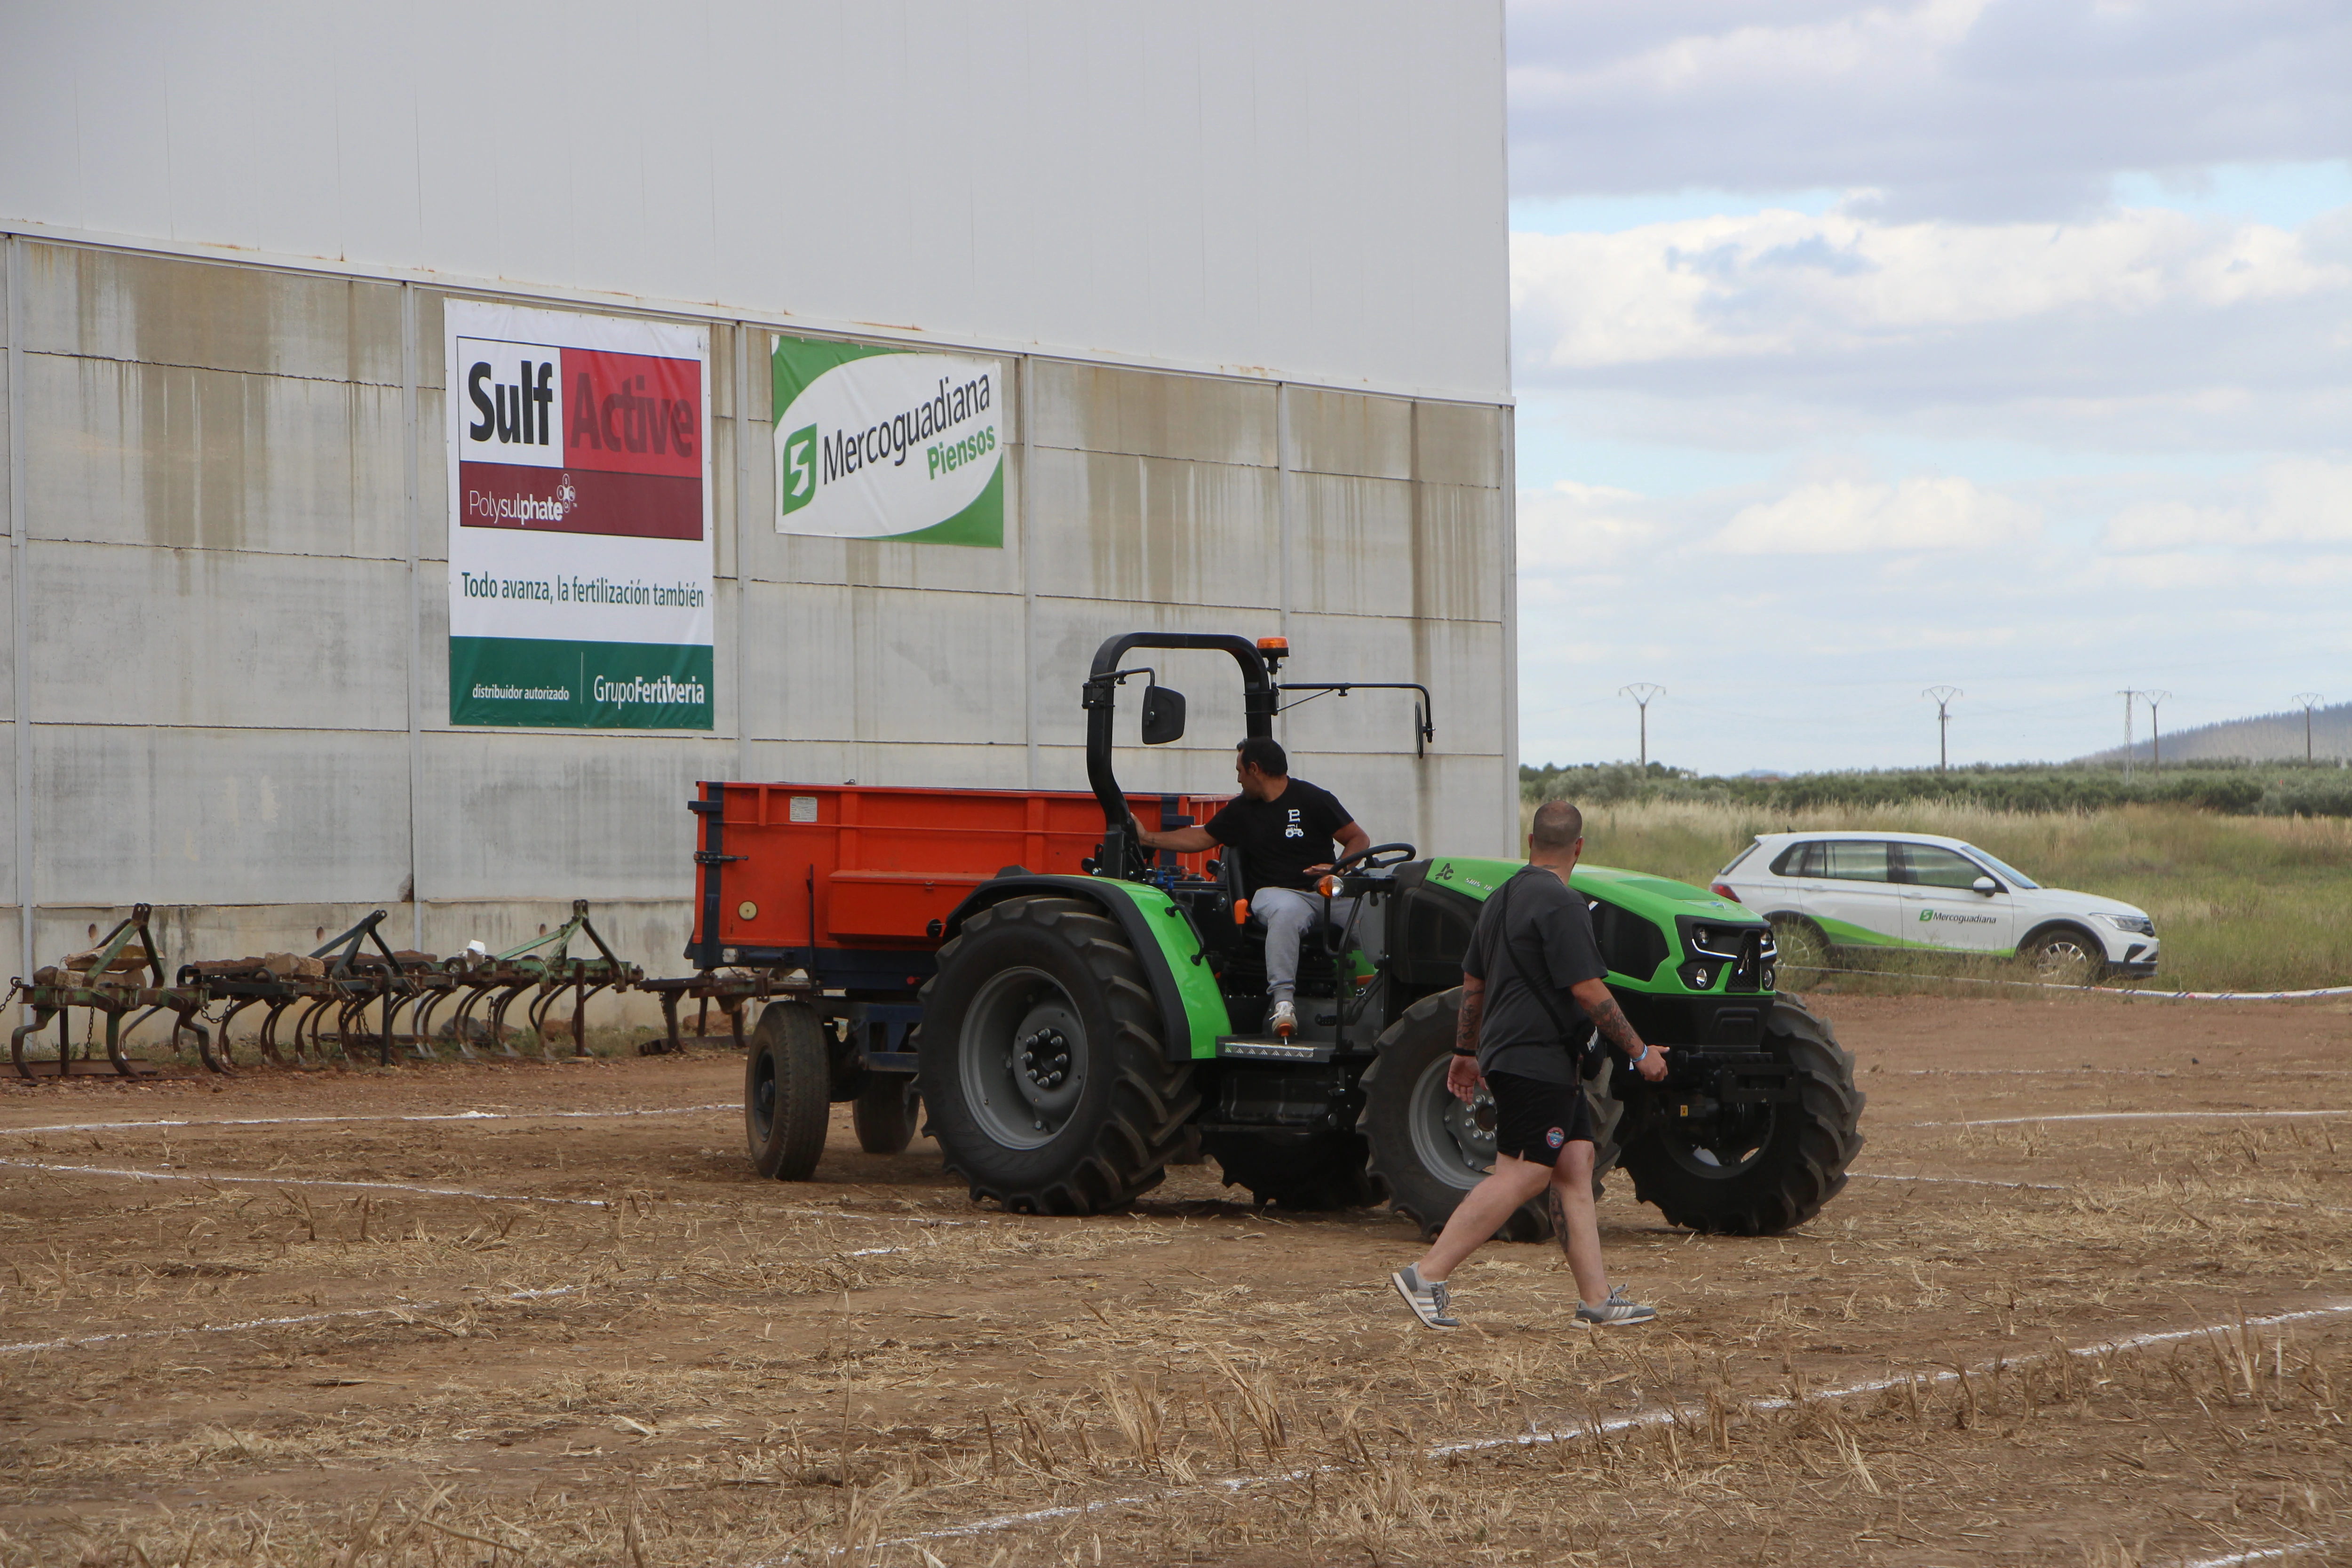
x=1571, y=527
x=1841, y=517
x=1785, y=284
x=1974, y=108
x=2302, y=502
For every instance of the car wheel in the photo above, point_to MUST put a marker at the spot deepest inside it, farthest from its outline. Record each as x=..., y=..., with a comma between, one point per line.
x=2065, y=955
x=1802, y=945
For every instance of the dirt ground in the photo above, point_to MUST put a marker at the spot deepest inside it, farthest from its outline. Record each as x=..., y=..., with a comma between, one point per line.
x=2088, y=1298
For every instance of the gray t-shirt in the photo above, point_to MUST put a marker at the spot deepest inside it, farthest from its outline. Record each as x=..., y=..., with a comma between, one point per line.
x=1546, y=923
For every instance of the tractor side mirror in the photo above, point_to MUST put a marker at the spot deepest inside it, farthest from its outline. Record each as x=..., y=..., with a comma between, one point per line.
x=1163, y=715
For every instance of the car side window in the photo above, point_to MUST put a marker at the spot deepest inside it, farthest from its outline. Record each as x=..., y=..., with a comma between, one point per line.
x=1799, y=861
x=1932, y=866
x=1857, y=861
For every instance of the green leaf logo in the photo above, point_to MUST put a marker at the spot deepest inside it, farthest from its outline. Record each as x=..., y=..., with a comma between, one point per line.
x=1925, y=915
x=796, y=479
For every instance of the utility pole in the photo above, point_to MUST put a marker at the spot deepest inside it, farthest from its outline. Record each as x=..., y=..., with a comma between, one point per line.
x=2155, y=733
x=1640, y=691
x=2127, y=694
x=2309, y=700
x=1941, y=696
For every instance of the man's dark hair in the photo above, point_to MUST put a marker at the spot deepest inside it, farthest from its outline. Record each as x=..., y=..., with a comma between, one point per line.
x=1265, y=755
x=1558, y=825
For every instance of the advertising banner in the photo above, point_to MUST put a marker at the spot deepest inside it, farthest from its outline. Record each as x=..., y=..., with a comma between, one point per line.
x=579, y=520
x=882, y=443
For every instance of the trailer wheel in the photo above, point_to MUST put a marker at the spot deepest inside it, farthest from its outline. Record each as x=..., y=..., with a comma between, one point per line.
x=1297, y=1170
x=1049, y=1086
x=1427, y=1149
x=1772, y=1168
x=884, y=1113
x=786, y=1093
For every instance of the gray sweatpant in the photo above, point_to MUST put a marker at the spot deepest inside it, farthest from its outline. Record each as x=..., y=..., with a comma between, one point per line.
x=1287, y=914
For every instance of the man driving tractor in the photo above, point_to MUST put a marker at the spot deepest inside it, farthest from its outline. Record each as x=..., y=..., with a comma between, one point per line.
x=1283, y=829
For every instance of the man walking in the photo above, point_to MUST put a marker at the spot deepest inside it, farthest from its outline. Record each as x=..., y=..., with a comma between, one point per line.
x=1283, y=828
x=1533, y=992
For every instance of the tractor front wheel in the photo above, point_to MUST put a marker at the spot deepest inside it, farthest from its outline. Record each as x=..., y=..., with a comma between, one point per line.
x=1427, y=1148
x=1049, y=1088
x=1759, y=1170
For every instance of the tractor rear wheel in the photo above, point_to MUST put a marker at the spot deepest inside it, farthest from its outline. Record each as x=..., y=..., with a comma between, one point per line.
x=1297, y=1170
x=1049, y=1088
x=1427, y=1149
x=1768, y=1168
x=786, y=1097
x=884, y=1113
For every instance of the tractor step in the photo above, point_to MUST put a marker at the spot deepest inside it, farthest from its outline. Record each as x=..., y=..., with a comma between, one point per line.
x=1273, y=1048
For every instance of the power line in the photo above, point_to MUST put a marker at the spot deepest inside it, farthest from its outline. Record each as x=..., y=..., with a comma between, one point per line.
x=1640, y=691
x=2310, y=699
x=1941, y=696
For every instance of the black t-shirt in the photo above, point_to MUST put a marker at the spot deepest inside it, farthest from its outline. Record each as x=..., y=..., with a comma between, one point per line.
x=1547, y=922
x=1279, y=838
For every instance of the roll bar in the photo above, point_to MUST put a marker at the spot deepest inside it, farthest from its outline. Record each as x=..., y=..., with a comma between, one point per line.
x=1259, y=698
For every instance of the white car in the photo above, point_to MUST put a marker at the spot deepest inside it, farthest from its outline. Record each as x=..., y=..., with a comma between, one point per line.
x=1917, y=890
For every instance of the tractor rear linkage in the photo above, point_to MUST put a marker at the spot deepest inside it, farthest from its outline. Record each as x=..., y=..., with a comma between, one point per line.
x=331, y=992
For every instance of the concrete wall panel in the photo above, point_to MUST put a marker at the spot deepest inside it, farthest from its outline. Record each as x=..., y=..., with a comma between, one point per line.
x=211, y=637
x=154, y=309
x=1351, y=545
x=891, y=666
x=163, y=814
x=1128, y=528
x=8, y=640
x=1458, y=444
x=1346, y=433
x=517, y=815
x=1098, y=408
x=1068, y=632
x=985, y=766
x=144, y=454
x=1456, y=660
x=1457, y=557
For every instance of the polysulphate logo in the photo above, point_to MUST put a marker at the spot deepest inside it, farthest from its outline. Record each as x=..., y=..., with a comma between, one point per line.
x=573, y=441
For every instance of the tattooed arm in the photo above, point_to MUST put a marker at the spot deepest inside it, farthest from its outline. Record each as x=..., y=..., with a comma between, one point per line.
x=1598, y=1006
x=1462, y=1077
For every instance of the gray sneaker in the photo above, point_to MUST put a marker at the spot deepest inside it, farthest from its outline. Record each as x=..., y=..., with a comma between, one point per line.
x=1428, y=1302
x=1616, y=1310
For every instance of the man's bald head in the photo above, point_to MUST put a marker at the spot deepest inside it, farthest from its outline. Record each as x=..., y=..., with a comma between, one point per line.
x=1557, y=826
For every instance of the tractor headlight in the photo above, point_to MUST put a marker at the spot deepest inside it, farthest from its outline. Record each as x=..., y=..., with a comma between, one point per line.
x=2139, y=925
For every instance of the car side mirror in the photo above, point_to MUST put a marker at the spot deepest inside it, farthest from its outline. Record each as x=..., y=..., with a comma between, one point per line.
x=1163, y=715
x=1986, y=886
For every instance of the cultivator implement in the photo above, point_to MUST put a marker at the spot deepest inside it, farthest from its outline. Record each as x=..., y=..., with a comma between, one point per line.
x=354, y=997
x=109, y=980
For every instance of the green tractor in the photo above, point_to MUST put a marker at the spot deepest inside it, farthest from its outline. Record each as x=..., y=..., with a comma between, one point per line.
x=1081, y=1031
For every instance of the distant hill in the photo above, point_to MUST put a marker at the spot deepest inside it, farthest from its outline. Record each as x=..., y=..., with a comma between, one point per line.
x=2268, y=738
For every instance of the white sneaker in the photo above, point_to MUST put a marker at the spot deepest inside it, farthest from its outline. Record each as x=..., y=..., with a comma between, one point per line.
x=1285, y=1020
x=1616, y=1310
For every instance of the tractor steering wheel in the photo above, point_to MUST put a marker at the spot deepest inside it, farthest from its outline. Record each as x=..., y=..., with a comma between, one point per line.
x=1370, y=857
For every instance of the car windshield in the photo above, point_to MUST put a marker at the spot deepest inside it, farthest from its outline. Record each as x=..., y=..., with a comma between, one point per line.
x=2015, y=877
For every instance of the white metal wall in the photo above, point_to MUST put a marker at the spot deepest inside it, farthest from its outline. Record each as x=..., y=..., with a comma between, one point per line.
x=1312, y=188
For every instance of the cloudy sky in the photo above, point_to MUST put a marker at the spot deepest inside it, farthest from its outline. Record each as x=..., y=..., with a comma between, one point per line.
x=2005, y=344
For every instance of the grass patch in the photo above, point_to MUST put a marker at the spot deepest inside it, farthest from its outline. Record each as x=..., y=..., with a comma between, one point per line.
x=2240, y=902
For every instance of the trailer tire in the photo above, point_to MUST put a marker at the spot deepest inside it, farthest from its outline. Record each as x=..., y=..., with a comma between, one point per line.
x=1302, y=1171
x=1047, y=1084
x=1791, y=1164
x=1422, y=1153
x=787, y=1098
x=884, y=1113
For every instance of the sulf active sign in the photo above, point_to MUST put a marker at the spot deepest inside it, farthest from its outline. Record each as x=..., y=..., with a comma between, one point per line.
x=880, y=443
x=579, y=520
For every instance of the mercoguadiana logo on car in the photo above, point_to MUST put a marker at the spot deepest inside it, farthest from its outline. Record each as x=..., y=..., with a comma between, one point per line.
x=879, y=443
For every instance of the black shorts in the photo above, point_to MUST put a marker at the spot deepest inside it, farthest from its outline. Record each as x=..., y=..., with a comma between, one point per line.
x=1534, y=1120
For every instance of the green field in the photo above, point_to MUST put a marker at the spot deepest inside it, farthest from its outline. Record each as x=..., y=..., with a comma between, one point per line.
x=2241, y=903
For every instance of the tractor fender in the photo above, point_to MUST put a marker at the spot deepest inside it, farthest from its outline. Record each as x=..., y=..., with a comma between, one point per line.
x=1162, y=939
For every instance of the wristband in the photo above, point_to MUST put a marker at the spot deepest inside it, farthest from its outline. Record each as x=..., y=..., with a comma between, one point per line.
x=1460, y=1052
x=1644, y=1056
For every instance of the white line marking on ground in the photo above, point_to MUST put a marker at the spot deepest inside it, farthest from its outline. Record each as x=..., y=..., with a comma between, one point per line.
x=443, y=1116
x=2125, y=1116
x=213, y=1178
x=279, y=1322
x=1963, y=1182
x=1645, y=1418
x=2260, y=1555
